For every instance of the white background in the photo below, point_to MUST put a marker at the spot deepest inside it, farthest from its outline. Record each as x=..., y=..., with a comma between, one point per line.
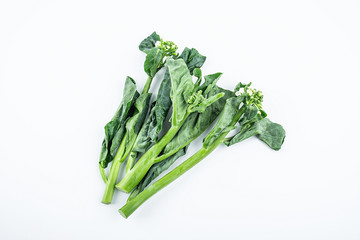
x=62, y=70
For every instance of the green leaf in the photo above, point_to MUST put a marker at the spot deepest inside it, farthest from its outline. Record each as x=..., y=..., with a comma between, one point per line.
x=249, y=114
x=192, y=58
x=114, y=130
x=210, y=82
x=154, y=123
x=148, y=43
x=147, y=134
x=182, y=88
x=225, y=122
x=272, y=134
x=153, y=61
x=197, y=73
x=134, y=123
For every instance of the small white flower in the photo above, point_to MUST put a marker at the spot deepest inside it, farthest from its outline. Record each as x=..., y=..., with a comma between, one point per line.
x=250, y=92
x=241, y=91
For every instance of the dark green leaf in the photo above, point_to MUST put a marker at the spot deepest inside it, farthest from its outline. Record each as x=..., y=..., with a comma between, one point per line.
x=192, y=58
x=154, y=123
x=114, y=130
x=225, y=122
x=182, y=88
x=272, y=134
x=134, y=123
x=153, y=62
x=148, y=43
x=249, y=114
x=210, y=82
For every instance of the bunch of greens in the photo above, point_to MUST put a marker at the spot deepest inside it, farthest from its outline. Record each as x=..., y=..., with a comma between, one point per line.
x=133, y=133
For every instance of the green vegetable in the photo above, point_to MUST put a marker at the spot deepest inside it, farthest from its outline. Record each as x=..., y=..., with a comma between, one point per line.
x=185, y=100
x=230, y=115
x=133, y=132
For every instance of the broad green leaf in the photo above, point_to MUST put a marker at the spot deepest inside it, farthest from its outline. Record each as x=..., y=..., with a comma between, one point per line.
x=146, y=134
x=134, y=123
x=153, y=61
x=192, y=58
x=148, y=43
x=154, y=122
x=249, y=114
x=225, y=122
x=272, y=134
x=114, y=130
x=210, y=82
x=182, y=88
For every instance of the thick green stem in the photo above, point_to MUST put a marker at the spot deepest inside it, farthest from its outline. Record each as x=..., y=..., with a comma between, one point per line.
x=133, y=204
x=147, y=85
x=164, y=156
x=134, y=176
x=114, y=172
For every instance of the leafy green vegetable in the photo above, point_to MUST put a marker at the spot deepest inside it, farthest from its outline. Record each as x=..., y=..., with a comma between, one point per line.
x=114, y=130
x=133, y=133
